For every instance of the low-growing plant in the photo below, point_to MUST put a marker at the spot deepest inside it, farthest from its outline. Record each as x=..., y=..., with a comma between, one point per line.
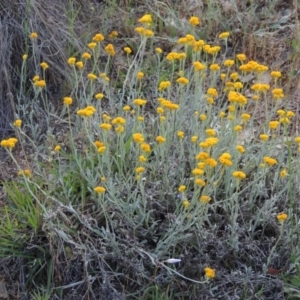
x=159, y=185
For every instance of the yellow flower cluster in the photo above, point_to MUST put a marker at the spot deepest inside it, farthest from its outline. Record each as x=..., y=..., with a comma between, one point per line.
x=238, y=98
x=86, y=112
x=225, y=159
x=26, y=173
x=100, y=146
x=209, y=142
x=270, y=161
x=9, y=143
x=110, y=50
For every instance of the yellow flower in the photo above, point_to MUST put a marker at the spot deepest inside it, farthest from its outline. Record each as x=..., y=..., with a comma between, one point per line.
x=126, y=108
x=103, y=179
x=110, y=50
x=239, y=175
x=139, y=102
x=164, y=85
x=101, y=149
x=158, y=50
x=210, y=273
x=297, y=139
x=197, y=172
x=211, y=162
x=127, y=50
x=180, y=134
x=245, y=117
x=241, y=57
x=182, y=80
x=222, y=114
x=99, y=189
x=44, y=65
x=86, y=55
x=25, y=172
x=205, y=199
x=140, y=118
x=198, y=66
x=33, y=35
x=146, y=19
x=98, y=37
x=140, y=75
x=145, y=147
x=68, y=100
x=24, y=57
x=273, y=124
x=142, y=158
x=202, y=156
x=120, y=129
x=91, y=76
x=255, y=97
x=200, y=182
x=203, y=117
x=92, y=45
x=281, y=217
x=160, y=139
x=210, y=132
x=181, y=188
x=194, y=21
x=225, y=159
x=118, y=120
x=264, y=137
x=17, y=123
x=212, y=92
x=194, y=139
x=86, y=112
x=138, y=138
x=79, y=64
x=139, y=170
x=238, y=128
x=106, y=117
x=57, y=148
x=186, y=203
x=144, y=32
x=228, y=63
x=290, y=114
x=283, y=173
x=40, y=83
x=99, y=96
x=240, y=148
x=276, y=74
x=105, y=126
x=201, y=165
x=269, y=160
x=9, y=143
x=214, y=67
x=277, y=94
x=113, y=34
x=224, y=35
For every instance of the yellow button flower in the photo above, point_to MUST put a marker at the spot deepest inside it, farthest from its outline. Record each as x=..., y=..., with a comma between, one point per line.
x=239, y=175
x=194, y=21
x=281, y=217
x=224, y=35
x=105, y=126
x=160, y=139
x=17, y=123
x=210, y=273
x=44, y=65
x=181, y=188
x=86, y=55
x=205, y=199
x=127, y=50
x=68, y=101
x=99, y=189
